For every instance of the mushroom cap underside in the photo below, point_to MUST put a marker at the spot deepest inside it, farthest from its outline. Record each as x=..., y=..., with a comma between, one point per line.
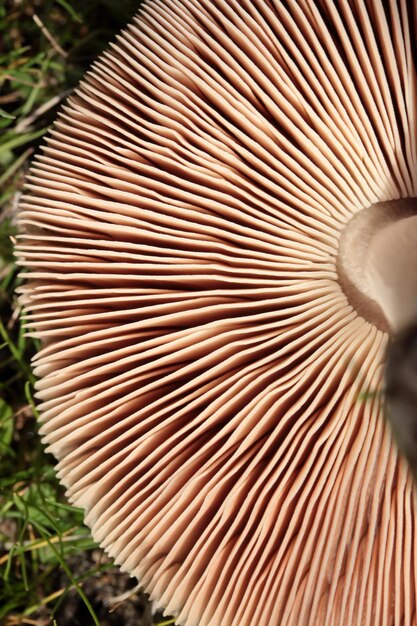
x=211, y=373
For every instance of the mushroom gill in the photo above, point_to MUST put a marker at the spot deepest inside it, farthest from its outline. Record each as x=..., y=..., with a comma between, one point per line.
x=204, y=237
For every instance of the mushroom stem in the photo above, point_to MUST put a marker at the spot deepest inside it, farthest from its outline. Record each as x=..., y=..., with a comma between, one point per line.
x=377, y=263
x=392, y=271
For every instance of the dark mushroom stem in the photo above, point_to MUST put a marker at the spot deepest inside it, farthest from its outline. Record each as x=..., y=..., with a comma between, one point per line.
x=377, y=268
x=393, y=263
x=401, y=392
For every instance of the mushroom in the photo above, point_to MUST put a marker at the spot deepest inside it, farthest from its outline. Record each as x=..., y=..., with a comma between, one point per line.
x=202, y=236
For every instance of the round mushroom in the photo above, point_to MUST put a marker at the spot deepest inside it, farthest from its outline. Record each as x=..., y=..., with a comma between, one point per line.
x=205, y=236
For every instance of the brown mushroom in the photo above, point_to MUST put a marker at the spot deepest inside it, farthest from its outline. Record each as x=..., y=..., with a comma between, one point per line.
x=202, y=235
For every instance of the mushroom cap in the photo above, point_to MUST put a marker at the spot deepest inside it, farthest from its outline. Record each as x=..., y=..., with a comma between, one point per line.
x=210, y=379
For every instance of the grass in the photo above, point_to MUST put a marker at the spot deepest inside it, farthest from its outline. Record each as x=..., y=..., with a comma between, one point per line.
x=45, y=48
